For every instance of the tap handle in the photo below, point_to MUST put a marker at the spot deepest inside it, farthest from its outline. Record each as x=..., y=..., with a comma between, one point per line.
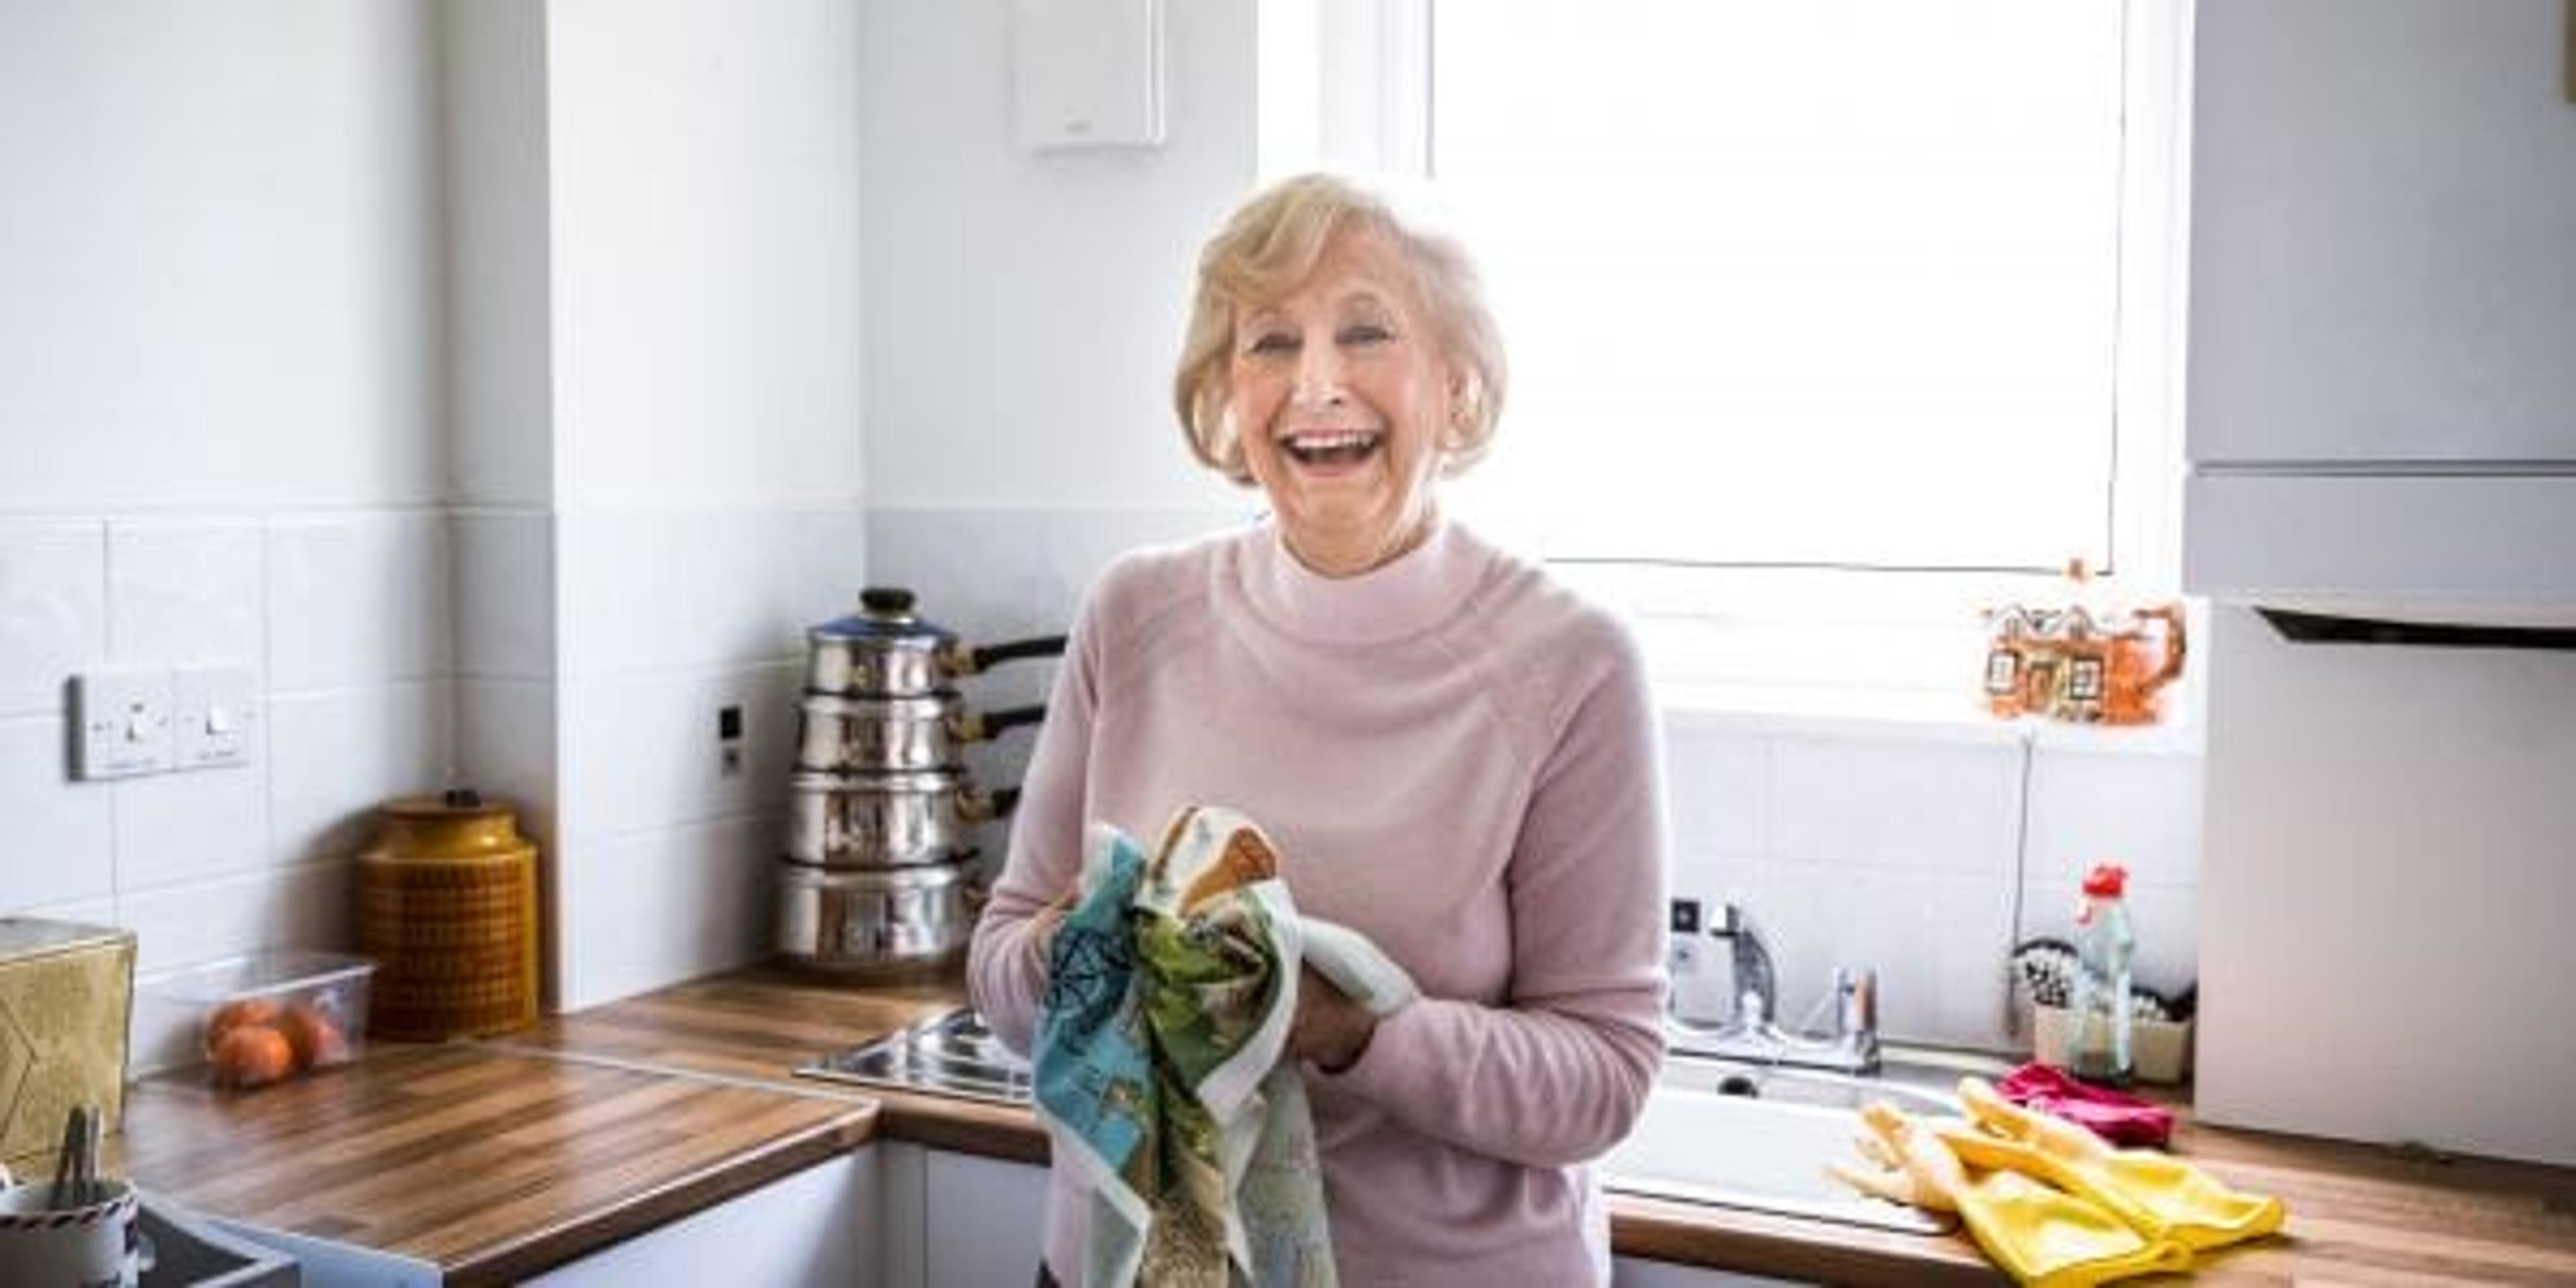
x=1855, y=1001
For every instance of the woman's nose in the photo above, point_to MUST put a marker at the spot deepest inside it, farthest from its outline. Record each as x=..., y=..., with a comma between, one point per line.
x=1319, y=375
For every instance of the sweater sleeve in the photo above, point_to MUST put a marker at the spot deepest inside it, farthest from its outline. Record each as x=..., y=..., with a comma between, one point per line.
x=1558, y=1073
x=1005, y=966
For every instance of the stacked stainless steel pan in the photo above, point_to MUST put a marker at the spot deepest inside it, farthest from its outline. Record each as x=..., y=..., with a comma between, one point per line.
x=882, y=823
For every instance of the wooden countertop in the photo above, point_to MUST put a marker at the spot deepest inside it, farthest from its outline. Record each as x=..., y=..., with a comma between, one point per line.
x=489, y=1164
x=498, y=1158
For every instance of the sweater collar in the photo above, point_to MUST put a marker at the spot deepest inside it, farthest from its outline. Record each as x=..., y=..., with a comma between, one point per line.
x=1410, y=594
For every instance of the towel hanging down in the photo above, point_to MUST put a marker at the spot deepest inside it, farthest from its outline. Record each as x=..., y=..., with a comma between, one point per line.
x=1170, y=991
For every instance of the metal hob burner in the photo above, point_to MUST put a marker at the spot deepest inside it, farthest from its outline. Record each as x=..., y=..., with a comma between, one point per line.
x=949, y=1054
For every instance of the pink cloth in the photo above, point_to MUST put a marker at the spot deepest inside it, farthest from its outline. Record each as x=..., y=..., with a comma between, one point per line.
x=2114, y=1116
x=1458, y=758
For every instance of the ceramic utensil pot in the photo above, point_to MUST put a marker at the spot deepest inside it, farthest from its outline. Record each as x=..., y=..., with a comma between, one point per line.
x=888, y=820
x=55, y=1239
x=874, y=923
x=886, y=651
x=838, y=734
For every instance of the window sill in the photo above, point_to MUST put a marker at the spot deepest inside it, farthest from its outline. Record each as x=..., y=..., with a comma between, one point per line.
x=1902, y=715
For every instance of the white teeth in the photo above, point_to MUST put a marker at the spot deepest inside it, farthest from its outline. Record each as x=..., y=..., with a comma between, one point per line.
x=1330, y=441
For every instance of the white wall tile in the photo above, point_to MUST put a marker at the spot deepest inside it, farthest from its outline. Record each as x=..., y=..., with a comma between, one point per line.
x=1941, y=807
x=53, y=609
x=186, y=590
x=334, y=757
x=57, y=848
x=505, y=595
x=640, y=751
x=358, y=599
x=651, y=589
x=172, y=828
x=2141, y=811
x=644, y=910
x=1007, y=574
x=505, y=747
x=1719, y=785
x=303, y=906
x=617, y=578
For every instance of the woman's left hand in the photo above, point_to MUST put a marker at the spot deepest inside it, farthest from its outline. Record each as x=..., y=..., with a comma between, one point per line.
x=1330, y=1030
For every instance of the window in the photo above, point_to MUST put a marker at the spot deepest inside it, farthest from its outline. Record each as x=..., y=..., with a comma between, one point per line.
x=1844, y=297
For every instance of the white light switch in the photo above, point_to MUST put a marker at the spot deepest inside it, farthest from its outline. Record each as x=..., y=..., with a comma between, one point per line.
x=120, y=723
x=215, y=710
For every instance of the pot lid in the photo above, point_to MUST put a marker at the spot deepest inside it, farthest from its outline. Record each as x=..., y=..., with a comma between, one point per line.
x=885, y=613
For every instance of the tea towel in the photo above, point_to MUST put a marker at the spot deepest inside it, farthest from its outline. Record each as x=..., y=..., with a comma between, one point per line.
x=1171, y=988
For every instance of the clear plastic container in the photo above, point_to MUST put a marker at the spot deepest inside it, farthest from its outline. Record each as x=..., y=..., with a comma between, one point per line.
x=276, y=1015
x=2104, y=943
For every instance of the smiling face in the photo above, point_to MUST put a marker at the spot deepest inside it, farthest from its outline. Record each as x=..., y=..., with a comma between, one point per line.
x=1340, y=393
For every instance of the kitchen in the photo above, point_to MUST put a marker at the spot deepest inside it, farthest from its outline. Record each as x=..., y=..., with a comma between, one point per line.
x=329, y=332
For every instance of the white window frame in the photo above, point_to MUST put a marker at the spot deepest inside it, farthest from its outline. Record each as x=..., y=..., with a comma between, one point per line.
x=1345, y=85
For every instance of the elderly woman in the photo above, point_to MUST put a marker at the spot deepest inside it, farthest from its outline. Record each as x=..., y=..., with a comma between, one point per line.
x=1456, y=756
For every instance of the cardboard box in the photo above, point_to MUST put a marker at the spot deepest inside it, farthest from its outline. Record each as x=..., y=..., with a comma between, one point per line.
x=66, y=995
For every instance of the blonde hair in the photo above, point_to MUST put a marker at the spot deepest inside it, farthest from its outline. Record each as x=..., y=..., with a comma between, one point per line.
x=1270, y=247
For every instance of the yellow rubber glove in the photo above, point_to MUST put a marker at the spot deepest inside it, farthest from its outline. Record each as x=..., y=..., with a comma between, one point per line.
x=2035, y=1232
x=2163, y=1196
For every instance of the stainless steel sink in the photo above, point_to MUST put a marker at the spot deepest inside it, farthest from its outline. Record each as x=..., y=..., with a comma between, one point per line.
x=949, y=1054
x=1731, y=1134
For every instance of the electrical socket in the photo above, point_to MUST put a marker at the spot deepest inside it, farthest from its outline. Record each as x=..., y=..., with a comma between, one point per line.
x=729, y=740
x=120, y=723
x=1683, y=947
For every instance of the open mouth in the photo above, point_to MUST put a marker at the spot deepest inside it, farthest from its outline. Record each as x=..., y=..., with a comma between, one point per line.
x=1331, y=447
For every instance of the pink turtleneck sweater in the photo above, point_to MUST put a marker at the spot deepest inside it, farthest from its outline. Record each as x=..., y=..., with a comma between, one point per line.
x=1458, y=758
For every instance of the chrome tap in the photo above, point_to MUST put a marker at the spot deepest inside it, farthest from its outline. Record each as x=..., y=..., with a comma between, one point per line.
x=1752, y=1032
x=1757, y=986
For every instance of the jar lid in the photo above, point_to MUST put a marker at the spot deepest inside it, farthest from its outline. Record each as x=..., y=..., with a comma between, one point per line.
x=454, y=803
x=885, y=613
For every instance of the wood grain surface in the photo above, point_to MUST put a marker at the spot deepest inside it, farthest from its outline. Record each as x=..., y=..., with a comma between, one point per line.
x=499, y=1158
x=491, y=1165
x=759, y=1025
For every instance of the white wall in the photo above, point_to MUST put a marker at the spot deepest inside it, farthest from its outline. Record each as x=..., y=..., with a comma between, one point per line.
x=220, y=256
x=657, y=357
x=221, y=378
x=255, y=265
x=1023, y=310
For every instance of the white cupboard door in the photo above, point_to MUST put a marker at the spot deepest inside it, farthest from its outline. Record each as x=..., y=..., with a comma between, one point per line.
x=986, y=1220
x=814, y=1229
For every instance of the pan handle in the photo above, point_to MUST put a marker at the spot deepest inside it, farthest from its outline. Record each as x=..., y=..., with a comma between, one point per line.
x=975, y=660
x=983, y=726
x=1000, y=802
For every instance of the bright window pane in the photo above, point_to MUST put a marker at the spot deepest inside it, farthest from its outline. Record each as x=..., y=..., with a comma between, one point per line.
x=1806, y=281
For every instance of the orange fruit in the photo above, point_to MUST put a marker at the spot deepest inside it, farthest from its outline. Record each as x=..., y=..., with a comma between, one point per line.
x=234, y=1014
x=252, y=1055
x=315, y=1039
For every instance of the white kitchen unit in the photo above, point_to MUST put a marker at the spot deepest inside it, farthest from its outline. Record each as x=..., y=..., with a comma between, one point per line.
x=2382, y=428
x=2382, y=397
x=1630, y=1272
x=956, y=1220
x=815, y=1229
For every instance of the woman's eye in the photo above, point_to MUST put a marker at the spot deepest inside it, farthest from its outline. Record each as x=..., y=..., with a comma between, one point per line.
x=1273, y=342
x=1367, y=333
